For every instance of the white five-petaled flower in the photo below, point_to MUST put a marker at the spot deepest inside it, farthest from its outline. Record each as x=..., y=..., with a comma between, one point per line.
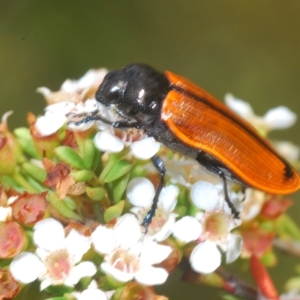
x=127, y=255
x=212, y=232
x=210, y=229
x=140, y=192
x=57, y=258
x=276, y=118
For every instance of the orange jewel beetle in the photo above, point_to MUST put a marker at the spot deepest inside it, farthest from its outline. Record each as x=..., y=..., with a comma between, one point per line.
x=185, y=118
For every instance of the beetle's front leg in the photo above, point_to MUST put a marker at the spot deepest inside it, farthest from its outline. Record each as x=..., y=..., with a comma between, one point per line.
x=125, y=125
x=94, y=116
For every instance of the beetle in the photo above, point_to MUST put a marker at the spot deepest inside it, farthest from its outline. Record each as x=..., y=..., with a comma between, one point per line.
x=187, y=119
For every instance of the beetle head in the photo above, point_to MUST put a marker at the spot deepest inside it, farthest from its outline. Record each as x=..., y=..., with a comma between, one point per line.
x=134, y=92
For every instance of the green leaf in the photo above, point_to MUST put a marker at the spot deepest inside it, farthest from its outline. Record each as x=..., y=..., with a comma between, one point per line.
x=113, y=158
x=114, y=211
x=96, y=194
x=70, y=157
x=25, y=140
x=88, y=152
x=82, y=175
x=119, y=187
x=62, y=207
x=34, y=171
x=118, y=170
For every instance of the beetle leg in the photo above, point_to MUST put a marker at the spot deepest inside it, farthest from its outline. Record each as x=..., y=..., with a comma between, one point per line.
x=87, y=117
x=243, y=191
x=160, y=166
x=227, y=199
x=94, y=116
x=125, y=124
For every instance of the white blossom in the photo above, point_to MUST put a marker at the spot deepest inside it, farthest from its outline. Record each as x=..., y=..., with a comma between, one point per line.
x=127, y=255
x=57, y=258
x=212, y=232
x=141, y=192
x=276, y=118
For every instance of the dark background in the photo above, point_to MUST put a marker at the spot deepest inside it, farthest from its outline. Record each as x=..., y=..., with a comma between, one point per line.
x=248, y=48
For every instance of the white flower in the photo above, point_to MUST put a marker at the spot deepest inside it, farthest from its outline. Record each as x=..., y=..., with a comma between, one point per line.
x=56, y=116
x=212, y=232
x=140, y=192
x=57, y=257
x=89, y=79
x=276, y=118
x=127, y=256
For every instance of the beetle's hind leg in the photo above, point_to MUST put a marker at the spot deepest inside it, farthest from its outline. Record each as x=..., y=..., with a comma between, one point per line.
x=226, y=195
x=160, y=166
x=219, y=169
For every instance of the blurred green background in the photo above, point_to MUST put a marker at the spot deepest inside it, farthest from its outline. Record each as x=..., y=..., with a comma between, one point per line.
x=248, y=48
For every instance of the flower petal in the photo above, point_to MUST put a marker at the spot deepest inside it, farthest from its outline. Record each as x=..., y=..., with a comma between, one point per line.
x=165, y=231
x=91, y=294
x=234, y=247
x=84, y=269
x=127, y=231
x=117, y=274
x=26, y=267
x=151, y=276
x=145, y=148
x=49, y=123
x=49, y=234
x=45, y=283
x=205, y=195
x=187, y=229
x=103, y=239
x=168, y=197
x=239, y=106
x=77, y=244
x=280, y=117
x=140, y=192
x=106, y=141
x=153, y=253
x=205, y=258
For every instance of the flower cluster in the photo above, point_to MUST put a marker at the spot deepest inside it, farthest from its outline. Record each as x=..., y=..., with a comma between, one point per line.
x=74, y=194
